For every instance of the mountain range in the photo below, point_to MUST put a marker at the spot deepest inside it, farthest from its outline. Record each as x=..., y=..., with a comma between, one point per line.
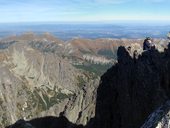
x=43, y=76
x=68, y=31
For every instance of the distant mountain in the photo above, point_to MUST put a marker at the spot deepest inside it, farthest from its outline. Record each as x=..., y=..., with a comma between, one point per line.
x=87, y=54
x=82, y=53
x=68, y=31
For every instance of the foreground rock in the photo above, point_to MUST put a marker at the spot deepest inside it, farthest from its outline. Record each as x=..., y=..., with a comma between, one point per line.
x=45, y=122
x=160, y=118
x=132, y=89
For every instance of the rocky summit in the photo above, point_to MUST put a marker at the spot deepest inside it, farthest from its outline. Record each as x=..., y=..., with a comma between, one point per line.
x=133, y=89
x=46, y=83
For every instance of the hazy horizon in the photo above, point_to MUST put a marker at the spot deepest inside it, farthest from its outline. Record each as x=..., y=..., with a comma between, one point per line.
x=68, y=19
x=67, y=31
x=113, y=22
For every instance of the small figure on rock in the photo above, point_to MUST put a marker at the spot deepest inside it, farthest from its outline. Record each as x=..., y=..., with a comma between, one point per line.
x=148, y=44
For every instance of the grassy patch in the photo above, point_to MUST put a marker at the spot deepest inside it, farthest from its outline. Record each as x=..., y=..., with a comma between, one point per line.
x=97, y=69
x=108, y=53
x=81, y=81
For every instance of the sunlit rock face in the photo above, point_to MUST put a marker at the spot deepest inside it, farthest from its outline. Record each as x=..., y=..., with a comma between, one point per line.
x=36, y=83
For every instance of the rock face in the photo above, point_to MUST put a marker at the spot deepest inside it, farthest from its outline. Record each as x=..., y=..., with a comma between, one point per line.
x=159, y=118
x=34, y=83
x=132, y=89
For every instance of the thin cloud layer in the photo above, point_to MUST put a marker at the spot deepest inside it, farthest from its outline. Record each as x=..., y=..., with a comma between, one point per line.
x=83, y=10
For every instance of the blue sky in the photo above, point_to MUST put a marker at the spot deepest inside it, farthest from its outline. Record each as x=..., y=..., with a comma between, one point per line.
x=83, y=10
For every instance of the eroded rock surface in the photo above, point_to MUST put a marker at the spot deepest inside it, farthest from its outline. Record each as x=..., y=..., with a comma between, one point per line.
x=34, y=83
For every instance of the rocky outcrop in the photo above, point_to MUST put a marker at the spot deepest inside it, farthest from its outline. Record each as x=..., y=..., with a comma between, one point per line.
x=160, y=118
x=132, y=89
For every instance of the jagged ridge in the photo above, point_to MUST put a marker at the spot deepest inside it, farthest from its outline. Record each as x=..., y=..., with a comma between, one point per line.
x=132, y=89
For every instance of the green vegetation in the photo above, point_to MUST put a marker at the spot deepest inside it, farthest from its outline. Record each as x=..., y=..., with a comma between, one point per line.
x=40, y=103
x=108, y=53
x=81, y=81
x=62, y=96
x=45, y=101
x=97, y=69
x=31, y=77
x=86, y=52
x=4, y=121
x=49, y=50
x=43, y=46
x=40, y=99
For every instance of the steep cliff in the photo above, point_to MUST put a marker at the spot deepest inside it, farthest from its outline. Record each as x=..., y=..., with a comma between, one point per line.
x=132, y=89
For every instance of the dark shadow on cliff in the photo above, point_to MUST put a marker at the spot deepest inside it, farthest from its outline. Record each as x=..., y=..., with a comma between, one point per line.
x=159, y=116
x=128, y=92
x=46, y=122
x=132, y=89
